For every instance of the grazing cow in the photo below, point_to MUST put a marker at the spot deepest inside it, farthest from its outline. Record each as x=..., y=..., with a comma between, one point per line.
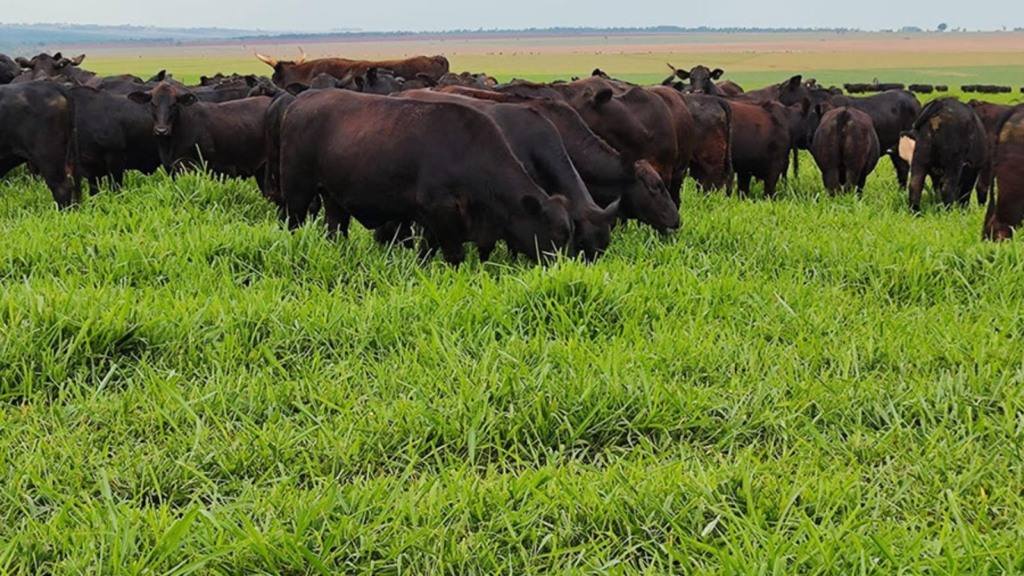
x=892, y=113
x=947, y=143
x=9, y=69
x=711, y=166
x=633, y=120
x=845, y=148
x=380, y=159
x=114, y=135
x=789, y=92
x=228, y=136
x=941, y=88
x=1006, y=205
x=991, y=115
x=57, y=66
x=609, y=176
x=37, y=126
x=536, y=143
x=302, y=72
x=760, y=144
x=921, y=88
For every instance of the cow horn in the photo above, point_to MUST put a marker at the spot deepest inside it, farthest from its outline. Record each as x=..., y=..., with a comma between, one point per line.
x=266, y=60
x=670, y=67
x=302, y=56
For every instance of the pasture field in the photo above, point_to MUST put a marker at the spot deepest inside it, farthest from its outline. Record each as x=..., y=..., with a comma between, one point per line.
x=814, y=385
x=753, y=60
x=808, y=385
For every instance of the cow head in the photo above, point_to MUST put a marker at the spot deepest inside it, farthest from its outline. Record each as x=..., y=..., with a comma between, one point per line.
x=541, y=226
x=593, y=230
x=165, y=101
x=9, y=69
x=647, y=199
x=793, y=91
x=701, y=78
x=378, y=81
x=285, y=72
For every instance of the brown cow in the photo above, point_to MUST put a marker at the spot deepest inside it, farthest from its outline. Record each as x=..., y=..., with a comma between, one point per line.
x=1006, y=205
x=302, y=71
x=760, y=144
x=846, y=149
x=711, y=166
x=990, y=115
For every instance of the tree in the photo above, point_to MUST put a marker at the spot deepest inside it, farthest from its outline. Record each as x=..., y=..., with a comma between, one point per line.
x=943, y=26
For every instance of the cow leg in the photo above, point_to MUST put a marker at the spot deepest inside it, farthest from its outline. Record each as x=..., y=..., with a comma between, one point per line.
x=771, y=181
x=851, y=180
x=950, y=186
x=676, y=187
x=968, y=179
x=861, y=180
x=115, y=168
x=984, y=183
x=830, y=178
x=916, y=184
x=298, y=190
x=742, y=184
x=902, y=169
x=337, y=217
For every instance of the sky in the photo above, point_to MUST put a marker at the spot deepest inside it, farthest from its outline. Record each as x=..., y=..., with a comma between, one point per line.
x=433, y=15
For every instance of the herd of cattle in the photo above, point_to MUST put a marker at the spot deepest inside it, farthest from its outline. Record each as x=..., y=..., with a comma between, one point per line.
x=541, y=167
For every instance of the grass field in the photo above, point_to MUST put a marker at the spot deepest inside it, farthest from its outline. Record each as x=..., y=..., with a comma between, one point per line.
x=810, y=385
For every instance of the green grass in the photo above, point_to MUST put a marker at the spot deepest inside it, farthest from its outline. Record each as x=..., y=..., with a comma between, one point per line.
x=811, y=385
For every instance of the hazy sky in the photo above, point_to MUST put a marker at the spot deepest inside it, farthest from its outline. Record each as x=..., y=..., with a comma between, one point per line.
x=323, y=15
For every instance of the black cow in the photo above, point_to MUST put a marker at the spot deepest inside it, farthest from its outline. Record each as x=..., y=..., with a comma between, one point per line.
x=56, y=66
x=991, y=116
x=610, y=177
x=892, y=113
x=1006, y=205
x=9, y=69
x=114, y=135
x=921, y=88
x=947, y=143
x=537, y=144
x=845, y=147
x=381, y=159
x=228, y=136
x=37, y=125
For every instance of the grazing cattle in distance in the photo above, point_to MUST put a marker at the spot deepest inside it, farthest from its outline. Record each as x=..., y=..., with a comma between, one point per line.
x=380, y=159
x=114, y=135
x=302, y=71
x=941, y=88
x=711, y=166
x=991, y=116
x=9, y=69
x=845, y=148
x=1006, y=205
x=228, y=136
x=760, y=144
x=609, y=176
x=921, y=88
x=946, y=143
x=37, y=126
x=537, y=144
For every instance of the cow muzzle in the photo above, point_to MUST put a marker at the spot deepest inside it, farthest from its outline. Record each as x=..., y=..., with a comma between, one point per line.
x=161, y=130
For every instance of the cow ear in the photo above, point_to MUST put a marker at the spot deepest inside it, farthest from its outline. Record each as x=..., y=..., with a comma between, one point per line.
x=204, y=80
x=532, y=205
x=794, y=82
x=371, y=74
x=23, y=62
x=683, y=74
x=78, y=59
x=187, y=99
x=426, y=79
x=296, y=88
x=251, y=80
x=611, y=213
x=717, y=73
x=57, y=56
x=603, y=96
x=140, y=97
x=159, y=77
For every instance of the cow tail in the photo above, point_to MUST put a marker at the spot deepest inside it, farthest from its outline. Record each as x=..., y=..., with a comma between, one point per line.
x=727, y=168
x=72, y=166
x=841, y=124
